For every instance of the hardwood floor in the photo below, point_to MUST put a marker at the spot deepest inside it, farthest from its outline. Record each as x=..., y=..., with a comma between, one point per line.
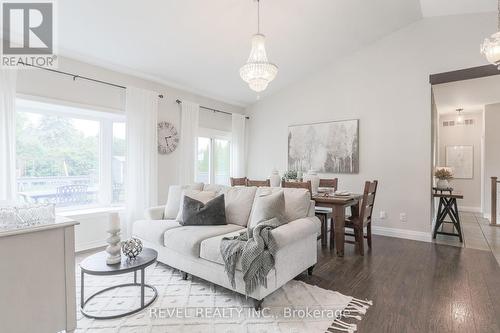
x=416, y=286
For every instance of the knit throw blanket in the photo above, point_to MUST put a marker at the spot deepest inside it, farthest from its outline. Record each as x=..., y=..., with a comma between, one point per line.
x=257, y=248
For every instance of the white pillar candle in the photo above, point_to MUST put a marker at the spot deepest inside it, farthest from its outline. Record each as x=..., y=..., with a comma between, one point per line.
x=114, y=221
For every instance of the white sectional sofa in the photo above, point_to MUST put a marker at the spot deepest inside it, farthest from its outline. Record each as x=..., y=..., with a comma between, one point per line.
x=196, y=249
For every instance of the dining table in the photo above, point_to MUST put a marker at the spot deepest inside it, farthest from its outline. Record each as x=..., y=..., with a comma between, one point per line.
x=338, y=204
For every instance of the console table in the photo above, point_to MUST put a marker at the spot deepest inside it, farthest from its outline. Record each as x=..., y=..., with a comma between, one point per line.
x=37, y=283
x=447, y=207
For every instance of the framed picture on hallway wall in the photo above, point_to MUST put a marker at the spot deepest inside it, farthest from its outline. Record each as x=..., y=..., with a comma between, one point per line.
x=329, y=147
x=461, y=160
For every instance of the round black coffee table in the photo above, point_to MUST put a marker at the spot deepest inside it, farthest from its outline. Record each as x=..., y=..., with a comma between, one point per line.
x=96, y=265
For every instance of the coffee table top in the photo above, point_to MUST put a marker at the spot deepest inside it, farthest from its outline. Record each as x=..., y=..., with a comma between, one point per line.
x=96, y=263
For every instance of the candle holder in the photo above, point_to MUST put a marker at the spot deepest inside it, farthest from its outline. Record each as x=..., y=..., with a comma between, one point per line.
x=113, y=249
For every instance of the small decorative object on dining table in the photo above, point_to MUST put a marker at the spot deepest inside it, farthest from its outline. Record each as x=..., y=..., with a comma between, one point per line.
x=275, y=178
x=113, y=249
x=312, y=175
x=443, y=175
x=132, y=248
x=290, y=175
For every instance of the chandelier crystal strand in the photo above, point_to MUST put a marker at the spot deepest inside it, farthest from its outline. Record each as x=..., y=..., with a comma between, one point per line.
x=258, y=71
x=491, y=46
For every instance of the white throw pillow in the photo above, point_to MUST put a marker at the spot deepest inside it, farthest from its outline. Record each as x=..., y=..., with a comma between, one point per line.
x=203, y=196
x=297, y=201
x=239, y=202
x=174, y=199
x=268, y=205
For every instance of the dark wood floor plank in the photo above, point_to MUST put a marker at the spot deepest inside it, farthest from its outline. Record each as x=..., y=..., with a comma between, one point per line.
x=416, y=286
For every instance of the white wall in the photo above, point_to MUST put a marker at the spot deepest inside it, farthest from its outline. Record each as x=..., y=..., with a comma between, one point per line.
x=386, y=86
x=461, y=135
x=41, y=83
x=491, y=153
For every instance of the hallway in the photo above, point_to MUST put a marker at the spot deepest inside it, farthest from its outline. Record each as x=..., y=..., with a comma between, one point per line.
x=477, y=233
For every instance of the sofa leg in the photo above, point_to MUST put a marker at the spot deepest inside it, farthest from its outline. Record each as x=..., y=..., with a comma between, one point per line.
x=257, y=304
x=184, y=275
x=310, y=270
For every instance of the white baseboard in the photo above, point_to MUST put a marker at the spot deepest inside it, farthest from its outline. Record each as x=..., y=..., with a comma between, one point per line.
x=402, y=233
x=488, y=216
x=90, y=245
x=469, y=209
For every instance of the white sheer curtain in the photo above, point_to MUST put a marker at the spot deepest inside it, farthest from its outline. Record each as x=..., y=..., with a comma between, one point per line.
x=238, y=145
x=7, y=135
x=188, y=141
x=142, y=153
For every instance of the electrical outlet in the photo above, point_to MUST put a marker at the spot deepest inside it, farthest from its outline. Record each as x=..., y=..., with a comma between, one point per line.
x=383, y=215
x=402, y=217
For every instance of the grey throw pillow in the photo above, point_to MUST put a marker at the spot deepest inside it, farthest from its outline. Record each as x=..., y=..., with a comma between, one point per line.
x=195, y=212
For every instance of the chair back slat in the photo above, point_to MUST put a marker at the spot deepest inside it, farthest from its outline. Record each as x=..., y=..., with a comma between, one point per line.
x=333, y=183
x=259, y=183
x=368, y=201
x=239, y=181
x=305, y=185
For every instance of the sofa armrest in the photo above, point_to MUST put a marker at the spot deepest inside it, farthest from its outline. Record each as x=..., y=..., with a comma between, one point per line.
x=154, y=213
x=296, y=230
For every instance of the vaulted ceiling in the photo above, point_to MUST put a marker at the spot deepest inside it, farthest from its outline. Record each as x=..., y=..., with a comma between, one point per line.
x=200, y=45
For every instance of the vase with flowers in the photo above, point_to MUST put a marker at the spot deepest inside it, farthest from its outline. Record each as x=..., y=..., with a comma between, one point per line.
x=443, y=176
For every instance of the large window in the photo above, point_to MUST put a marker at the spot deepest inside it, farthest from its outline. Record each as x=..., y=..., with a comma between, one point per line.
x=214, y=158
x=71, y=157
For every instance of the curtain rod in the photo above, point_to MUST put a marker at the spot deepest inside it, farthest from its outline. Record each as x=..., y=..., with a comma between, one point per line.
x=211, y=109
x=76, y=76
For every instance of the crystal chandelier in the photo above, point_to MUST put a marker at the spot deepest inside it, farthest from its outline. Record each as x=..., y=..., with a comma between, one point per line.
x=491, y=46
x=258, y=71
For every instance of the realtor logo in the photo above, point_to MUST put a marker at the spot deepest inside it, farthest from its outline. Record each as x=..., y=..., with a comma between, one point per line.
x=28, y=33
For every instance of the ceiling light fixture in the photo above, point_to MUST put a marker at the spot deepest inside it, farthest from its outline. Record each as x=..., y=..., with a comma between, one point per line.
x=491, y=46
x=258, y=71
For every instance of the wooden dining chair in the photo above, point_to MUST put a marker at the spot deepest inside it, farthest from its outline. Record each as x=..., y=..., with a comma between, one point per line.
x=359, y=220
x=239, y=181
x=331, y=183
x=306, y=185
x=325, y=214
x=259, y=183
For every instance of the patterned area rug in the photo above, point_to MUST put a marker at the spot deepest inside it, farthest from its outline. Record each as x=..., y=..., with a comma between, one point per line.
x=195, y=305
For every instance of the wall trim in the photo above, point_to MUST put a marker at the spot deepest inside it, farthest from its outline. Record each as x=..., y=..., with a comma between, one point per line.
x=469, y=209
x=402, y=233
x=90, y=245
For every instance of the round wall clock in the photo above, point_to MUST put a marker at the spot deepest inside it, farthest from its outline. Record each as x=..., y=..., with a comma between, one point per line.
x=168, y=138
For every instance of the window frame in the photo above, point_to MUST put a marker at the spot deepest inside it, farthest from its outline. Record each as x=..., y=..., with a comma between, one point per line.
x=212, y=134
x=105, y=116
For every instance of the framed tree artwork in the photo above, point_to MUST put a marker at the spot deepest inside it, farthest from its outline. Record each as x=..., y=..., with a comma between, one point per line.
x=329, y=147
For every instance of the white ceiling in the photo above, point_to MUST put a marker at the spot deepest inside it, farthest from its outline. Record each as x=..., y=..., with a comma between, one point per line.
x=456, y=7
x=471, y=95
x=200, y=45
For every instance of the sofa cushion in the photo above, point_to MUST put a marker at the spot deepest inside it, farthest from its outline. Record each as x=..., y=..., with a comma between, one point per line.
x=210, y=249
x=239, y=202
x=153, y=230
x=203, y=196
x=174, y=198
x=196, y=212
x=268, y=205
x=297, y=201
x=218, y=189
x=187, y=239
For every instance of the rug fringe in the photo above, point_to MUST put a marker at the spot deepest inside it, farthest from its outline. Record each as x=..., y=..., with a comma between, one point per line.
x=356, y=305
